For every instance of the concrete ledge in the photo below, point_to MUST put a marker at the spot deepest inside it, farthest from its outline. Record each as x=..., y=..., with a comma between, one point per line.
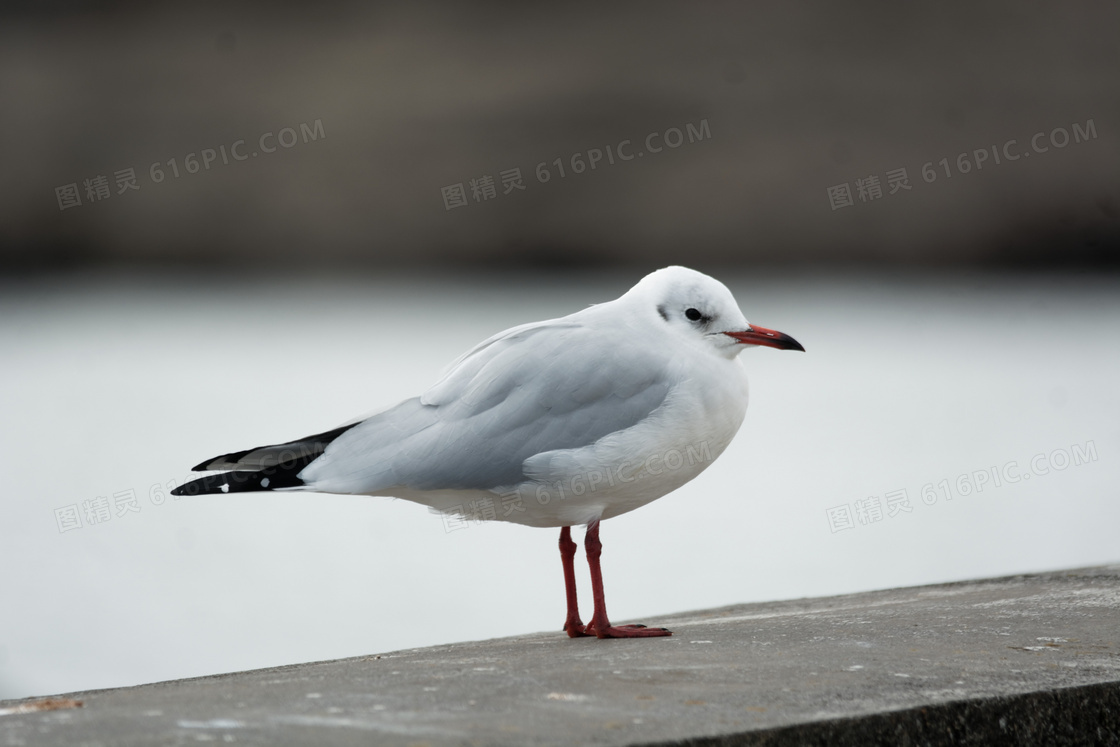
x=1024, y=659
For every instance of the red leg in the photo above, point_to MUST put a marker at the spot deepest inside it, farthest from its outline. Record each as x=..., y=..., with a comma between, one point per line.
x=600, y=625
x=573, y=625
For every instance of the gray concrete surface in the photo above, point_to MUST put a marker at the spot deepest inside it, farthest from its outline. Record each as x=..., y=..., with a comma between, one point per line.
x=1024, y=659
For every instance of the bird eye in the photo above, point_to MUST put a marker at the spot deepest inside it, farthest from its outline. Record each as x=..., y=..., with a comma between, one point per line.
x=693, y=315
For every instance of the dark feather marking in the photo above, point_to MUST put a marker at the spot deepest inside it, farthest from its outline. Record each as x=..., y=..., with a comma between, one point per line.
x=281, y=471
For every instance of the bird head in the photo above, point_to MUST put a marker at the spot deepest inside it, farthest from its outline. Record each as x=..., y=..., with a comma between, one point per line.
x=701, y=309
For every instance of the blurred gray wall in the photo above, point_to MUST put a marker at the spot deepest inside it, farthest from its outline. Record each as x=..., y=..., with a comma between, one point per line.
x=357, y=122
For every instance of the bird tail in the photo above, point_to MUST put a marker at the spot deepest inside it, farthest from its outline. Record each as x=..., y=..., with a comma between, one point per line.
x=261, y=468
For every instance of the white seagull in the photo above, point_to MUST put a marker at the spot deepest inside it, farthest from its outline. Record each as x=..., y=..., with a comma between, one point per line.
x=567, y=421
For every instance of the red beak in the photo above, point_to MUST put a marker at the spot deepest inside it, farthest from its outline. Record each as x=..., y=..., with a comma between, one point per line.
x=768, y=337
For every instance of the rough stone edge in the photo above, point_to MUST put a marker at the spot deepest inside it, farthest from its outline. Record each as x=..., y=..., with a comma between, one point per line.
x=1105, y=569
x=1086, y=714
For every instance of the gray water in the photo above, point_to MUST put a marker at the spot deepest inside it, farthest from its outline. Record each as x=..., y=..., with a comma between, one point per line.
x=114, y=384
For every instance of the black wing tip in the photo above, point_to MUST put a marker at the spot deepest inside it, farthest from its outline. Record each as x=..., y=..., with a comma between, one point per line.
x=241, y=482
x=202, y=486
x=230, y=458
x=281, y=474
x=304, y=449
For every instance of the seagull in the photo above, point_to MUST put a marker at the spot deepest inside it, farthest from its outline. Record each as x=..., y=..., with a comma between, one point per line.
x=558, y=423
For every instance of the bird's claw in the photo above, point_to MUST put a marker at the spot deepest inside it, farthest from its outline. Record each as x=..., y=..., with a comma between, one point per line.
x=576, y=629
x=626, y=631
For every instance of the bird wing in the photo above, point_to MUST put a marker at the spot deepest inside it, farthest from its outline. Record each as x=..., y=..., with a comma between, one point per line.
x=536, y=388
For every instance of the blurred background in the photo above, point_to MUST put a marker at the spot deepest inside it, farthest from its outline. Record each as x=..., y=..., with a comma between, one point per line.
x=224, y=226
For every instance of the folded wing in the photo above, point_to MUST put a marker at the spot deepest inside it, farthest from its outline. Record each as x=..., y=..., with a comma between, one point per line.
x=533, y=389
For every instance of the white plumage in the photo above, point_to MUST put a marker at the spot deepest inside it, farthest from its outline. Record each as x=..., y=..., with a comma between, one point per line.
x=540, y=411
